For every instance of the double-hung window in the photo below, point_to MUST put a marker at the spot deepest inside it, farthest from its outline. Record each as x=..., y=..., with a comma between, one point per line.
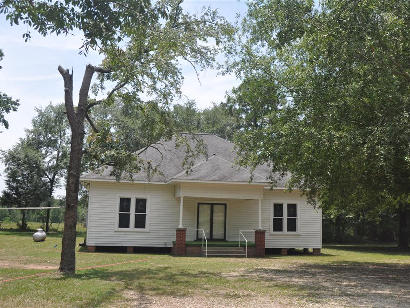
x=278, y=217
x=132, y=213
x=285, y=217
x=292, y=217
x=124, y=216
x=140, y=213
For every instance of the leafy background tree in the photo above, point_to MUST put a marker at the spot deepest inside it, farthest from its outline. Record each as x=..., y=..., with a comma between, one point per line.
x=325, y=96
x=25, y=182
x=47, y=144
x=49, y=136
x=7, y=104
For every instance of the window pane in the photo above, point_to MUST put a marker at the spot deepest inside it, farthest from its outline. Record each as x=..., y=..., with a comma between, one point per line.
x=140, y=220
x=292, y=212
x=140, y=205
x=278, y=224
x=278, y=210
x=125, y=204
x=292, y=224
x=204, y=220
x=124, y=221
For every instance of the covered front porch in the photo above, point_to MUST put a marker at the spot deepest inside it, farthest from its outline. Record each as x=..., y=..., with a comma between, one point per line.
x=219, y=215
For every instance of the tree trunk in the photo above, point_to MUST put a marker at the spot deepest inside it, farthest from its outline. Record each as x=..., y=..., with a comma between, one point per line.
x=50, y=197
x=23, y=220
x=403, y=226
x=339, y=228
x=67, y=263
x=47, y=220
x=76, y=119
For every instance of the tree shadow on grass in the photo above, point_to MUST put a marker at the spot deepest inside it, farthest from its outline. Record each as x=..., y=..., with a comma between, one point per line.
x=139, y=282
x=350, y=283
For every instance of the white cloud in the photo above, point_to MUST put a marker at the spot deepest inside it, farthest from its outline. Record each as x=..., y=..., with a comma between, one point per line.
x=30, y=78
x=212, y=89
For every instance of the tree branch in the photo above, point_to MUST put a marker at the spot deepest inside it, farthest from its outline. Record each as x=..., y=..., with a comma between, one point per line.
x=95, y=129
x=68, y=94
x=85, y=88
x=100, y=69
x=193, y=66
x=115, y=89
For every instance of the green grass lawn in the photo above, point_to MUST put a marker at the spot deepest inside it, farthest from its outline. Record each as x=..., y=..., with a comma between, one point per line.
x=342, y=276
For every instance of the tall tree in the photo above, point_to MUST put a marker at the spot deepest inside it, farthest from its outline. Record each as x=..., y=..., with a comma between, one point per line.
x=219, y=120
x=186, y=117
x=325, y=95
x=216, y=120
x=7, y=104
x=49, y=136
x=25, y=182
x=143, y=42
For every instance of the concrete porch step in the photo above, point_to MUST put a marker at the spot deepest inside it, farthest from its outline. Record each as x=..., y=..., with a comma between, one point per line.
x=224, y=252
x=225, y=248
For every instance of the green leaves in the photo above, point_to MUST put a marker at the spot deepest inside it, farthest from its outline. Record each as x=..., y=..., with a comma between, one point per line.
x=7, y=104
x=26, y=185
x=326, y=97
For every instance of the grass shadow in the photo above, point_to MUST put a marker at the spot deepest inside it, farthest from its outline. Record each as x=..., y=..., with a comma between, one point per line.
x=387, y=250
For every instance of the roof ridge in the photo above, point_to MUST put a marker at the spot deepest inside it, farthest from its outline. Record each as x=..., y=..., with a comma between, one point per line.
x=188, y=133
x=240, y=166
x=193, y=167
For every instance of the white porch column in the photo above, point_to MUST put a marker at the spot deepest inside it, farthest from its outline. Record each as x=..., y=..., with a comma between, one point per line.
x=181, y=210
x=260, y=214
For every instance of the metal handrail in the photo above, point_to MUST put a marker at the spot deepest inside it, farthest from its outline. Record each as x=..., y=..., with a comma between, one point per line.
x=202, y=241
x=246, y=240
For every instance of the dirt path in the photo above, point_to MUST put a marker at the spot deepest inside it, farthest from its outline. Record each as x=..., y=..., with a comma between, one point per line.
x=14, y=264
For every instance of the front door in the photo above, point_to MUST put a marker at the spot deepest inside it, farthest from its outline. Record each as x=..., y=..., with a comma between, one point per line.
x=212, y=218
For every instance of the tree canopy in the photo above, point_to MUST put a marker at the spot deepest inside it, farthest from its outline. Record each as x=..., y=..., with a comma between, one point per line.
x=26, y=185
x=325, y=96
x=7, y=104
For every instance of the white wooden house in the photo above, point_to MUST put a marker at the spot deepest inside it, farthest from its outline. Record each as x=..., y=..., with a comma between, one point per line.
x=214, y=200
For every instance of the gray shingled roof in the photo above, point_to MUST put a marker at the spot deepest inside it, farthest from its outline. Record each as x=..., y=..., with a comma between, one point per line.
x=217, y=166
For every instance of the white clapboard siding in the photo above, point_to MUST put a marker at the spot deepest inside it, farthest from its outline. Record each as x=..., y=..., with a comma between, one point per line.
x=243, y=215
x=212, y=190
x=163, y=215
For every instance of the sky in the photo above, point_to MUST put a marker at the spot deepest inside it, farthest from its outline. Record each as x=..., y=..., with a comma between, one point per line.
x=30, y=73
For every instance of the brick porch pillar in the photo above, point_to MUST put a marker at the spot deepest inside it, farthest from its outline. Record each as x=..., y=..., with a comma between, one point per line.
x=180, y=243
x=260, y=243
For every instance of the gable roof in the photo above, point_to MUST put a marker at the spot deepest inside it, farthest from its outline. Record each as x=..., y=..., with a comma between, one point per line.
x=217, y=166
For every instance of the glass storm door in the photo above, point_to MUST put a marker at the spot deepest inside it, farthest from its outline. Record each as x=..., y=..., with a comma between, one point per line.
x=211, y=218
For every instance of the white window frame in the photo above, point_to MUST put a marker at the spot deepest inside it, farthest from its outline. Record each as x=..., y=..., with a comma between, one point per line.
x=296, y=217
x=132, y=213
x=285, y=217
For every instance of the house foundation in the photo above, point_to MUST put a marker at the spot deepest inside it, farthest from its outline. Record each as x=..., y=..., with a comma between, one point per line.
x=130, y=249
x=284, y=251
x=91, y=248
x=316, y=251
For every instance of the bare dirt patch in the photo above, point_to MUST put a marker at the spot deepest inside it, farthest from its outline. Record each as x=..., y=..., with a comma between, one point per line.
x=139, y=299
x=348, y=284
x=12, y=264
